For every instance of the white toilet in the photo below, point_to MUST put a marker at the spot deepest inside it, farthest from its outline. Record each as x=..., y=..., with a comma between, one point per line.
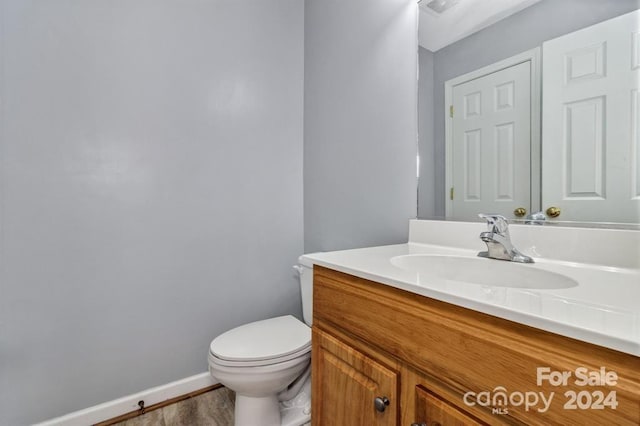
x=267, y=364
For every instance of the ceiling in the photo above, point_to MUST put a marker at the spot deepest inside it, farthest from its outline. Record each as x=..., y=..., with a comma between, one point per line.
x=460, y=18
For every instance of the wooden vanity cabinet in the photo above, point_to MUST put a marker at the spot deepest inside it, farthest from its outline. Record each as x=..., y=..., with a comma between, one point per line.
x=432, y=410
x=359, y=379
x=383, y=356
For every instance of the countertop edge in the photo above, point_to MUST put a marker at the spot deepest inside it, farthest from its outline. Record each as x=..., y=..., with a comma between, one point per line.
x=531, y=320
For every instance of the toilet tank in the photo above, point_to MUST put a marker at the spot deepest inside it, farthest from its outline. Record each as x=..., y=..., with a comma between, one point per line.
x=305, y=271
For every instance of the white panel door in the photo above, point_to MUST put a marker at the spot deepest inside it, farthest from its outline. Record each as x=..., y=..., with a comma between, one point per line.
x=491, y=143
x=591, y=115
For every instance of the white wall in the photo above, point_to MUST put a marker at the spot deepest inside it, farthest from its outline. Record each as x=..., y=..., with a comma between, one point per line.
x=360, y=122
x=151, y=189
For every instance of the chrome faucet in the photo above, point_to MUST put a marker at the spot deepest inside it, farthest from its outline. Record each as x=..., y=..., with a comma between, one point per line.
x=498, y=240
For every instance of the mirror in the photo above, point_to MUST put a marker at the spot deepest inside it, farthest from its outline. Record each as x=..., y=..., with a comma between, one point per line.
x=563, y=159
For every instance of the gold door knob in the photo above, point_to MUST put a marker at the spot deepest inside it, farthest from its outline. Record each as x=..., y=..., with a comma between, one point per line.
x=520, y=211
x=553, y=212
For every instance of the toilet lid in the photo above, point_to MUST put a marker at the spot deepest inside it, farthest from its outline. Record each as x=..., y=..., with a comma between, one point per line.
x=262, y=340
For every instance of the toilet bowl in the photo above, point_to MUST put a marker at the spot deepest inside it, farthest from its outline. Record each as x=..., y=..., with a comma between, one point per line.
x=267, y=364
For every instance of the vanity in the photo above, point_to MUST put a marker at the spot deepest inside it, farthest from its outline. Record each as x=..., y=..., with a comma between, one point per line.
x=427, y=333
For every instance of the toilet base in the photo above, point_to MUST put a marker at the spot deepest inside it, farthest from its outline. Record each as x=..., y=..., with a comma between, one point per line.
x=267, y=411
x=252, y=411
x=297, y=410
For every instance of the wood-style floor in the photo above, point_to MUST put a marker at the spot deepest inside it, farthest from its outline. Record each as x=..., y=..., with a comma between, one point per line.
x=214, y=408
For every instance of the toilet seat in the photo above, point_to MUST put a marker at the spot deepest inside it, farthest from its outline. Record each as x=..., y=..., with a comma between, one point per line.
x=259, y=363
x=260, y=343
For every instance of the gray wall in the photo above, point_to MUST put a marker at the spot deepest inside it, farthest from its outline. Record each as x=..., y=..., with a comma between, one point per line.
x=426, y=133
x=520, y=32
x=360, y=122
x=151, y=184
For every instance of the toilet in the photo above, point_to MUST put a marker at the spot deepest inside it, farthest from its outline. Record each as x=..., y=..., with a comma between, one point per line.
x=268, y=365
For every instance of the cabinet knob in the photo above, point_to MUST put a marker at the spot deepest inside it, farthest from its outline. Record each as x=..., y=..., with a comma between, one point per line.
x=381, y=403
x=418, y=424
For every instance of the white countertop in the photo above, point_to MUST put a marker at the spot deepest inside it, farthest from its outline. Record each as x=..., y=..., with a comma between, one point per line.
x=604, y=308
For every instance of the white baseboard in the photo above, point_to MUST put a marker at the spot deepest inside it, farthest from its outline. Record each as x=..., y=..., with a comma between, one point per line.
x=120, y=406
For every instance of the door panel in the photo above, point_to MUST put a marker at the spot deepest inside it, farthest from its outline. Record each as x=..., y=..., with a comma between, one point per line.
x=491, y=149
x=590, y=151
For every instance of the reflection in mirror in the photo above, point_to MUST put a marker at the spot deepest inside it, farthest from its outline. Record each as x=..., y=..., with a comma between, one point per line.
x=509, y=125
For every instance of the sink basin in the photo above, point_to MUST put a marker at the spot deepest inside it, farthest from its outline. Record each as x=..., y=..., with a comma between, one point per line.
x=482, y=271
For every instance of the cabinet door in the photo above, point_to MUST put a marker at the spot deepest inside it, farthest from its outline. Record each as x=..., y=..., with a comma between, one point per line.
x=432, y=410
x=350, y=388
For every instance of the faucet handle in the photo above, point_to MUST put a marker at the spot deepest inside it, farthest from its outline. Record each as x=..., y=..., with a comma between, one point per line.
x=536, y=218
x=496, y=223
